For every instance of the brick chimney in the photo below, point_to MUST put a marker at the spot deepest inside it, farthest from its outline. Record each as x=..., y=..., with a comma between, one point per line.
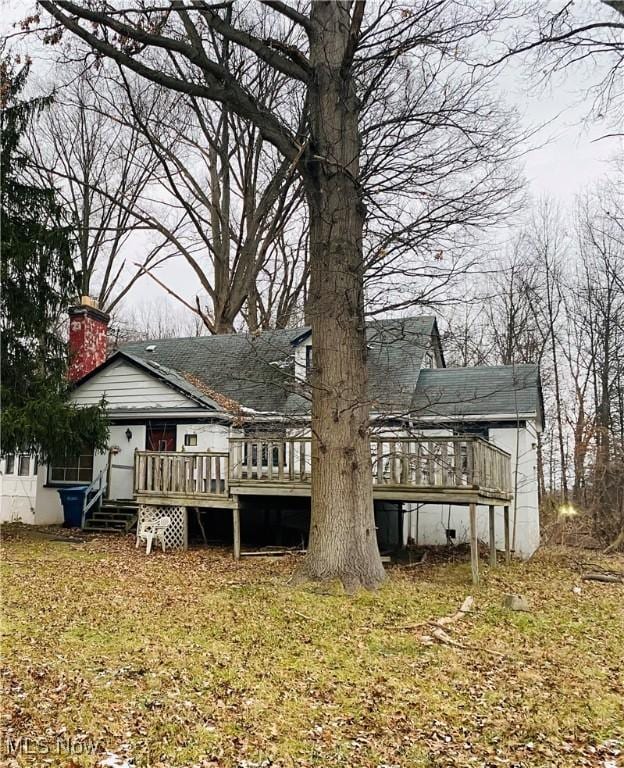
x=88, y=327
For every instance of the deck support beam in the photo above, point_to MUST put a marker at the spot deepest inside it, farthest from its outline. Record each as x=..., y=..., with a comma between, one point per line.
x=474, y=544
x=236, y=532
x=492, y=536
x=506, y=523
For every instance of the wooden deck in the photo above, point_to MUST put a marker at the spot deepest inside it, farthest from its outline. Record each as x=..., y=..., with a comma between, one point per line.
x=449, y=470
x=416, y=469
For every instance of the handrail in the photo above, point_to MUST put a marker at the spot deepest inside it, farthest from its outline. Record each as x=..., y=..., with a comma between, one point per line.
x=99, y=486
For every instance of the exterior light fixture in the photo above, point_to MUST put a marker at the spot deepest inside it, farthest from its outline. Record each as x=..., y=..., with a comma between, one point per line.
x=129, y=434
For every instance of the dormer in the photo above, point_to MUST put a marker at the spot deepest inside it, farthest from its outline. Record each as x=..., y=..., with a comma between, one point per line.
x=434, y=357
x=303, y=354
x=422, y=344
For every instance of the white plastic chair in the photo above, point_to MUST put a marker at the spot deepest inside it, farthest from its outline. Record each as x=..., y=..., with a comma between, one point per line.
x=153, y=531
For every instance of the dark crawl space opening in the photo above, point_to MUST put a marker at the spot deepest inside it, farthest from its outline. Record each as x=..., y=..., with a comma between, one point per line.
x=275, y=522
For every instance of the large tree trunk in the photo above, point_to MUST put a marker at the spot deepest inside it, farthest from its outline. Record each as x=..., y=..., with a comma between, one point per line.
x=343, y=541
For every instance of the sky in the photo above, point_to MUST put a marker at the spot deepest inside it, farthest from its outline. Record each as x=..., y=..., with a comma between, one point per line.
x=566, y=156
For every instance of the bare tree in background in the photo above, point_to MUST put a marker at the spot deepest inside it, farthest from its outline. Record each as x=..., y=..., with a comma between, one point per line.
x=101, y=169
x=601, y=290
x=154, y=319
x=547, y=246
x=569, y=34
x=238, y=199
x=515, y=330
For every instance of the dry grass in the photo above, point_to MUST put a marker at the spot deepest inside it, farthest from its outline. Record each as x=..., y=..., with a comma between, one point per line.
x=192, y=660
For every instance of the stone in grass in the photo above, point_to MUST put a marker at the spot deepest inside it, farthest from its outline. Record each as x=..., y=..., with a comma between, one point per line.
x=516, y=603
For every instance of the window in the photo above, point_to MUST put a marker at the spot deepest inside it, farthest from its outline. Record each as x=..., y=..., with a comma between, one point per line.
x=190, y=439
x=265, y=454
x=9, y=463
x=428, y=360
x=23, y=465
x=476, y=430
x=72, y=470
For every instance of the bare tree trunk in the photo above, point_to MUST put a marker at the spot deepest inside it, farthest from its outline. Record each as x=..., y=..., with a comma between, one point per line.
x=343, y=540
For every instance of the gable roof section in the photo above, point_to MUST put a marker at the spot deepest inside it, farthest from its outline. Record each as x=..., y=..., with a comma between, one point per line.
x=497, y=391
x=171, y=378
x=254, y=371
x=257, y=371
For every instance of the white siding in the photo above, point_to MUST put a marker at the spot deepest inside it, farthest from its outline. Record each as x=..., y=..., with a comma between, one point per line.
x=210, y=437
x=17, y=494
x=122, y=461
x=48, y=510
x=127, y=387
x=300, y=359
x=427, y=523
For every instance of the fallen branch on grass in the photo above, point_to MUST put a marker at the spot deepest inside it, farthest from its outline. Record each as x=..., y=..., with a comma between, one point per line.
x=273, y=552
x=465, y=607
x=607, y=578
x=440, y=635
x=443, y=621
x=444, y=638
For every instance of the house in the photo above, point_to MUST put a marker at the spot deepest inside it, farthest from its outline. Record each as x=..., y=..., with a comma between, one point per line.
x=18, y=488
x=222, y=423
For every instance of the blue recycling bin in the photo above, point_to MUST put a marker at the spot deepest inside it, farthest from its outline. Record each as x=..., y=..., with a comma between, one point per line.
x=72, y=500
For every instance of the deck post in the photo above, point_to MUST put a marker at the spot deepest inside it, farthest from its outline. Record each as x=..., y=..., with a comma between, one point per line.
x=492, y=536
x=236, y=531
x=507, y=547
x=474, y=544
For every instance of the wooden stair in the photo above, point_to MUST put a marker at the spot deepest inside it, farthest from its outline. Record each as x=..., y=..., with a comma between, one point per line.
x=119, y=516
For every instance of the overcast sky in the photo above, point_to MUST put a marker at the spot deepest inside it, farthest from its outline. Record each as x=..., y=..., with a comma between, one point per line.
x=564, y=158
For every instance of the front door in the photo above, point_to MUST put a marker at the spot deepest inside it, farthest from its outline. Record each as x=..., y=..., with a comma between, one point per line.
x=161, y=437
x=124, y=440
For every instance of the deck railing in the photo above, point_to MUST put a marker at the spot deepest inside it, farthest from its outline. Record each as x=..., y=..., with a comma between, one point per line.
x=412, y=462
x=273, y=458
x=440, y=462
x=452, y=462
x=180, y=474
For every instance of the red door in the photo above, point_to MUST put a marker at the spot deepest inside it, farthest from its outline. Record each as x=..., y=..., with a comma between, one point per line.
x=161, y=438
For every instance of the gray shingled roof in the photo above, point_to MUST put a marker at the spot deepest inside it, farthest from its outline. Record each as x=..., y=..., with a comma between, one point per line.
x=481, y=391
x=257, y=371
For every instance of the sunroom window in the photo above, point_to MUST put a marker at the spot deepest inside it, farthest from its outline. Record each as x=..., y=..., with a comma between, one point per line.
x=77, y=469
x=23, y=465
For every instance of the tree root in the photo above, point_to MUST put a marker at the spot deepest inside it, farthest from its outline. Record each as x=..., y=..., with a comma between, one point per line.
x=351, y=582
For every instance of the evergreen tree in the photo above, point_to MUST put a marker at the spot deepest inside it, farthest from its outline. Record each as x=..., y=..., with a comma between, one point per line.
x=37, y=288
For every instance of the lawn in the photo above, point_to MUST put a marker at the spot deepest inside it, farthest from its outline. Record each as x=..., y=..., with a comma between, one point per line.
x=190, y=659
